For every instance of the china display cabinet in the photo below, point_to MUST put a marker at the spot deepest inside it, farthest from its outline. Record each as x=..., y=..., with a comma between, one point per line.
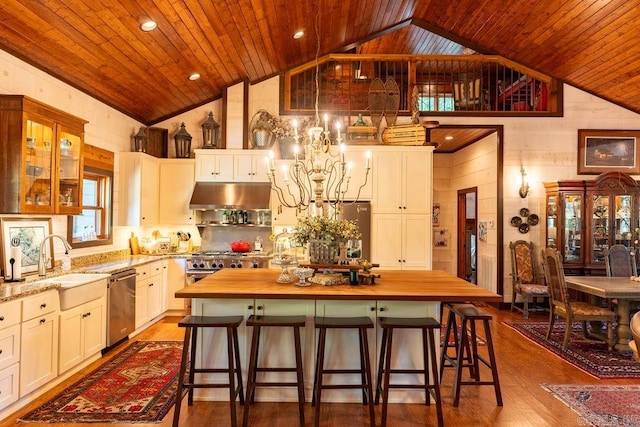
x=584, y=218
x=42, y=158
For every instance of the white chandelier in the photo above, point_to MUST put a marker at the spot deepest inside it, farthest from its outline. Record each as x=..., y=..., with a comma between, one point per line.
x=319, y=176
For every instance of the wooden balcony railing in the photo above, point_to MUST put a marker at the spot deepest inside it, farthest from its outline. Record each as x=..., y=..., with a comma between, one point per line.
x=434, y=85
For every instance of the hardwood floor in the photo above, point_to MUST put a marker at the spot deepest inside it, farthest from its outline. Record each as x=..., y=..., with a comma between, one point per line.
x=522, y=365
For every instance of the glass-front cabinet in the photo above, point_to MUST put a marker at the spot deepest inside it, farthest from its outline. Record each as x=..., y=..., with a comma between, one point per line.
x=43, y=165
x=584, y=218
x=565, y=222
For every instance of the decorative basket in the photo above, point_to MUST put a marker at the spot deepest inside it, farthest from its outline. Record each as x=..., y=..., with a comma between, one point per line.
x=324, y=252
x=263, y=138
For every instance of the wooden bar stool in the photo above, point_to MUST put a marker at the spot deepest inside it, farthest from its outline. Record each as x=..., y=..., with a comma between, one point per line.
x=452, y=328
x=427, y=325
x=362, y=324
x=192, y=324
x=258, y=322
x=469, y=314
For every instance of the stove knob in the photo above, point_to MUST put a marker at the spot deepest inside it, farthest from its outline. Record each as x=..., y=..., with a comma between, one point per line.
x=233, y=264
x=201, y=265
x=255, y=265
x=239, y=265
x=195, y=265
x=221, y=265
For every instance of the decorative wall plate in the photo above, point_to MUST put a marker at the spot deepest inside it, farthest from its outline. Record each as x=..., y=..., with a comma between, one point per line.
x=516, y=221
x=524, y=212
x=523, y=228
x=533, y=219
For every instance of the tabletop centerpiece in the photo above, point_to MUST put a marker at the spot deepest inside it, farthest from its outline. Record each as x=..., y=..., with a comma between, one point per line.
x=324, y=236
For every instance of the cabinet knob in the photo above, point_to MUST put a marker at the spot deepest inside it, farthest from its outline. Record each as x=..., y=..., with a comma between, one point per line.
x=381, y=309
x=1, y=318
x=372, y=309
x=259, y=307
x=249, y=307
x=150, y=284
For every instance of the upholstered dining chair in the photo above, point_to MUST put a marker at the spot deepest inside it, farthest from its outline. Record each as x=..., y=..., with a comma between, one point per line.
x=619, y=262
x=571, y=311
x=525, y=277
x=635, y=332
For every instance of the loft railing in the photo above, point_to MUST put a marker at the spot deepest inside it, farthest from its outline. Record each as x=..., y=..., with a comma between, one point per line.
x=433, y=85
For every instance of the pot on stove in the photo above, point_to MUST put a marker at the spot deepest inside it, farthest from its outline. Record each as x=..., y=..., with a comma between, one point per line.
x=240, y=246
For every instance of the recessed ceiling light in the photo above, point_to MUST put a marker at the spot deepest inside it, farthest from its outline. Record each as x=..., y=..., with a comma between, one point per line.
x=148, y=25
x=448, y=137
x=194, y=76
x=298, y=34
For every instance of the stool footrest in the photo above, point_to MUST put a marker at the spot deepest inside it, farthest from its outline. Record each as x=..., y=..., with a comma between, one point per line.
x=406, y=371
x=408, y=386
x=275, y=384
x=341, y=371
x=263, y=369
x=344, y=386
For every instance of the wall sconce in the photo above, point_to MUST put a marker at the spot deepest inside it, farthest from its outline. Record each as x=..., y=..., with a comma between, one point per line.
x=524, y=186
x=140, y=141
x=183, y=143
x=210, y=133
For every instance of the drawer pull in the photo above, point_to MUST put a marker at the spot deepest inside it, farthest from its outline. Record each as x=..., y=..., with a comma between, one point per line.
x=43, y=321
x=43, y=305
x=1, y=318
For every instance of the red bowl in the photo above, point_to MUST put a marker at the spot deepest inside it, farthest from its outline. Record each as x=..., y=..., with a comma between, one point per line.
x=241, y=246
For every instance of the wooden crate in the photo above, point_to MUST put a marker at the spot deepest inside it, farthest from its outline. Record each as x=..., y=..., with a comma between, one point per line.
x=404, y=135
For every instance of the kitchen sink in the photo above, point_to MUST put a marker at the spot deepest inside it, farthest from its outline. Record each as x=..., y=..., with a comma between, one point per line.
x=79, y=288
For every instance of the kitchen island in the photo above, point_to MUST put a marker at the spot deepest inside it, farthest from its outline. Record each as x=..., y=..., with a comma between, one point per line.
x=396, y=293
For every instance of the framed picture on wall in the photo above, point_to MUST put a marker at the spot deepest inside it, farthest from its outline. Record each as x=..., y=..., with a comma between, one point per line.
x=608, y=150
x=27, y=234
x=440, y=238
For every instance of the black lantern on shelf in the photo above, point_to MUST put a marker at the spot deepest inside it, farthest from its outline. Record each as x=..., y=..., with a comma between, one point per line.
x=140, y=141
x=183, y=143
x=210, y=133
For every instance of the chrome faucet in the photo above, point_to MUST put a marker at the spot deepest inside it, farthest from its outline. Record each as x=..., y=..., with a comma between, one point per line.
x=42, y=259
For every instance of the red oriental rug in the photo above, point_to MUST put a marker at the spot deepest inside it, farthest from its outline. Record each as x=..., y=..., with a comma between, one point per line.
x=600, y=405
x=138, y=385
x=594, y=359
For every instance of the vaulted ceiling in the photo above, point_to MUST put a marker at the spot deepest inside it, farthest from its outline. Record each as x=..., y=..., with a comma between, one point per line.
x=97, y=46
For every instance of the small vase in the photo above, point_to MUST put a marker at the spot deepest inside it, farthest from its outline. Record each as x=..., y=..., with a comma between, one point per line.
x=323, y=251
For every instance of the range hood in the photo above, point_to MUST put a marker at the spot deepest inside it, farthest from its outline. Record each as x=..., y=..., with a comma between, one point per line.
x=230, y=195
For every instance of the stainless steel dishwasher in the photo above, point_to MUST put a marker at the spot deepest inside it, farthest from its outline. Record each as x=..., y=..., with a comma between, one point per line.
x=121, y=306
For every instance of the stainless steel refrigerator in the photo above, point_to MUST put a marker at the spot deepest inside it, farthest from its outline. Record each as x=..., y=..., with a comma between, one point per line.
x=360, y=212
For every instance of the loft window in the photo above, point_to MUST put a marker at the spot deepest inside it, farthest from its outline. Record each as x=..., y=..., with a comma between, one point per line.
x=94, y=226
x=436, y=103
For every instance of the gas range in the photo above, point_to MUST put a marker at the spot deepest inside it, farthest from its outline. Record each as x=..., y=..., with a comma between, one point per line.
x=211, y=261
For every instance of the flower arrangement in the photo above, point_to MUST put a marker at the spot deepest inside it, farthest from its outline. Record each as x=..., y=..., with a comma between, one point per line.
x=283, y=126
x=324, y=228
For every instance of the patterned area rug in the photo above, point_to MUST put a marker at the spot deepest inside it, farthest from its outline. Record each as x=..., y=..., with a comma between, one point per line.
x=137, y=385
x=600, y=405
x=594, y=359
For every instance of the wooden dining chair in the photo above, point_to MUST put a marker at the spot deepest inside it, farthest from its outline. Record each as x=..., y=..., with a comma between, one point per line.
x=572, y=311
x=525, y=278
x=620, y=262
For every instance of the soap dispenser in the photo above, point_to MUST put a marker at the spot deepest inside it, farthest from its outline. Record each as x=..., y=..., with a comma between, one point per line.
x=66, y=262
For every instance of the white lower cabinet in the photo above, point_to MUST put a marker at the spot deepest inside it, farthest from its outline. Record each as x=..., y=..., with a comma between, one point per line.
x=39, y=341
x=212, y=343
x=9, y=352
x=401, y=241
x=342, y=348
x=82, y=333
x=149, y=293
x=174, y=279
x=407, y=346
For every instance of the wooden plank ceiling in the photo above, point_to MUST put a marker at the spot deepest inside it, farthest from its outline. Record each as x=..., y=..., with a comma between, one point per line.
x=97, y=47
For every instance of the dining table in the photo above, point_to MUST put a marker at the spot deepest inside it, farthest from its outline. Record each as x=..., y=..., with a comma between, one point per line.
x=622, y=289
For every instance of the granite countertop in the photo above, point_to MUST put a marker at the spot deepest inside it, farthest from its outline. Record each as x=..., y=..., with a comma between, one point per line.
x=31, y=285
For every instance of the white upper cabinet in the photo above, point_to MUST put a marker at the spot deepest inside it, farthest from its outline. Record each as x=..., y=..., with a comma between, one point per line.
x=250, y=167
x=139, y=189
x=214, y=165
x=177, y=177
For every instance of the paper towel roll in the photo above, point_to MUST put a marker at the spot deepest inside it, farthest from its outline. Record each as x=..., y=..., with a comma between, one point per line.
x=16, y=253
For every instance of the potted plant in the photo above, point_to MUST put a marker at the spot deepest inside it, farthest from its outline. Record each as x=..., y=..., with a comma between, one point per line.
x=324, y=236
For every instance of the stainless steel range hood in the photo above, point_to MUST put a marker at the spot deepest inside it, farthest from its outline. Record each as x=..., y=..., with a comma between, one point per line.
x=230, y=195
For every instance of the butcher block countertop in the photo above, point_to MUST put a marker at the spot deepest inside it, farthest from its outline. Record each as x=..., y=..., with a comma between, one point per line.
x=415, y=285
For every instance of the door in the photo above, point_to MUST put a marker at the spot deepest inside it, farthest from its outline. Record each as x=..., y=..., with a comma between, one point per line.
x=467, y=226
